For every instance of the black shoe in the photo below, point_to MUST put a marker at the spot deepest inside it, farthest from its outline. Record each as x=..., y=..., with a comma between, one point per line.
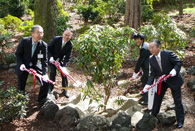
x=143, y=103
x=147, y=111
x=65, y=93
x=179, y=125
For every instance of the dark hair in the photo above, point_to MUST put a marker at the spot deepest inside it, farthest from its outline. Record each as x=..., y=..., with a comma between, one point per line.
x=138, y=35
x=34, y=27
x=157, y=42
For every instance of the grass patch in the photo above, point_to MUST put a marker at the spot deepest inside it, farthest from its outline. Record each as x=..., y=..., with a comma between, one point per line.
x=186, y=10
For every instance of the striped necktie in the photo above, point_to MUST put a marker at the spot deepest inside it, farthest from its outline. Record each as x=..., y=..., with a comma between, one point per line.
x=159, y=62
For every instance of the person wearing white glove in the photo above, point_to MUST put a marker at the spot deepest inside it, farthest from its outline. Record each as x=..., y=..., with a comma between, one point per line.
x=64, y=69
x=173, y=72
x=60, y=48
x=146, y=88
x=22, y=67
x=45, y=78
x=134, y=75
x=51, y=60
x=142, y=62
x=171, y=64
x=29, y=52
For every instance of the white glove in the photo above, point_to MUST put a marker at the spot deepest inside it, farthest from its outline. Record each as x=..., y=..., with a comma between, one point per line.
x=145, y=88
x=64, y=69
x=134, y=75
x=22, y=67
x=51, y=60
x=45, y=78
x=173, y=72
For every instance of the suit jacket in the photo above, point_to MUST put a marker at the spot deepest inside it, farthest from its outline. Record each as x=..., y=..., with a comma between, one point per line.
x=55, y=51
x=143, y=60
x=169, y=61
x=23, y=55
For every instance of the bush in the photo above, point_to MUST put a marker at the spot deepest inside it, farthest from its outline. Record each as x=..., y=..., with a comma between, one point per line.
x=13, y=104
x=3, y=8
x=62, y=18
x=61, y=24
x=192, y=31
x=11, y=22
x=61, y=9
x=31, y=4
x=25, y=27
x=166, y=30
x=102, y=51
x=147, y=12
x=18, y=7
x=4, y=37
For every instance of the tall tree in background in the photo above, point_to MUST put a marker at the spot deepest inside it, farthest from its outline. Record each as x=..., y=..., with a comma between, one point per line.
x=46, y=16
x=181, y=7
x=133, y=13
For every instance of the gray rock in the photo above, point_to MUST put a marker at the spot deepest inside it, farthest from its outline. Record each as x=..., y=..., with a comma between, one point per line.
x=148, y=122
x=191, y=70
x=13, y=65
x=11, y=70
x=171, y=106
x=93, y=123
x=67, y=118
x=193, y=87
x=191, y=83
x=1, y=83
x=5, y=66
x=183, y=71
x=122, y=122
x=49, y=109
x=167, y=118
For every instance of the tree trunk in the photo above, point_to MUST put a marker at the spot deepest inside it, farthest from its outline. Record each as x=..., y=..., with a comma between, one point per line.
x=133, y=13
x=46, y=16
x=181, y=7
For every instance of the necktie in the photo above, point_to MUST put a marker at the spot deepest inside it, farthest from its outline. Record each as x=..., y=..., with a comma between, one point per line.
x=159, y=62
x=63, y=45
x=33, y=48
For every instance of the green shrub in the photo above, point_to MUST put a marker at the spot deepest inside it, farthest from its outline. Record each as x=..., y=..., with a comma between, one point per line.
x=11, y=22
x=18, y=7
x=31, y=4
x=13, y=104
x=3, y=8
x=61, y=24
x=61, y=9
x=101, y=53
x=71, y=8
x=166, y=30
x=11, y=58
x=192, y=31
x=25, y=27
x=147, y=12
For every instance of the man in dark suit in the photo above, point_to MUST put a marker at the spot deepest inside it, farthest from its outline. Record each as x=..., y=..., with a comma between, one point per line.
x=32, y=53
x=166, y=62
x=143, y=62
x=60, y=49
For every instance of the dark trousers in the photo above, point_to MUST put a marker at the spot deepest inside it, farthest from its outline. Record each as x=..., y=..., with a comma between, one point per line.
x=53, y=77
x=144, y=80
x=22, y=83
x=177, y=100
